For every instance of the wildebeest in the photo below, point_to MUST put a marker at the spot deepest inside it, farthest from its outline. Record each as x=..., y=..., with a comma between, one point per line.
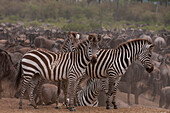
x=165, y=97
x=146, y=37
x=42, y=42
x=165, y=72
x=136, y=78
x=7, y=69
x=49, y=94
x=155, y=83
x=160, y=44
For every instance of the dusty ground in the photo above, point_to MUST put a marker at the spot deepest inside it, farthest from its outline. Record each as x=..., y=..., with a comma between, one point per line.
x=10, y=105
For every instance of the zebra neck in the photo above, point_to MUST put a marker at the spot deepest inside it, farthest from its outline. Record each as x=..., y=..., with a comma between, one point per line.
x=81, y=55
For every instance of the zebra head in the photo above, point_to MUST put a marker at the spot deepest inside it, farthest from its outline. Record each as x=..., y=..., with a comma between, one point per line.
x=71, y=41
x=93, y=47
x=75, y=37
x=145, y=56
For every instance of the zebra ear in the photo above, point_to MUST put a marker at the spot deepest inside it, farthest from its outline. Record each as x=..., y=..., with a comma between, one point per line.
x=150, y=46
x=72, y=34
x=78, y=36
x=69, y=34
x=90, y=38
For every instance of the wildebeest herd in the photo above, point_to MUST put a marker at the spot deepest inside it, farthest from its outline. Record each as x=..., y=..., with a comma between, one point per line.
x=47, y=62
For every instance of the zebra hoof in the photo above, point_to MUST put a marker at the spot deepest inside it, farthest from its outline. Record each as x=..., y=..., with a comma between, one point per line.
x=72, y=109
x=107, y=107
x=115, y=107
x=36, y=107
x=20, y=107
x=56, y=107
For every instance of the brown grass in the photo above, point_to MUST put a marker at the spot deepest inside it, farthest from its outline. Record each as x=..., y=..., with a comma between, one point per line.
x=10, y=105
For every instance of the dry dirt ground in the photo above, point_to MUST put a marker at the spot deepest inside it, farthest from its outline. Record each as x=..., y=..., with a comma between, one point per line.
x=10, y=105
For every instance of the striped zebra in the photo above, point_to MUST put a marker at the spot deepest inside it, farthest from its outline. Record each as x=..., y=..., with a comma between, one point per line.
x=68, y=46
x=58, y=66
x=89, y=95
x=113, y=63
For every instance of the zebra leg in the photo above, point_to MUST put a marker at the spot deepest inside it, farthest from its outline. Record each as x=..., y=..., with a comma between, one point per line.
x=72, y=86
x=25, y=84
x=110, y=92
x=65, y=89
x=32, y=86
x=31, y=96
x=40, y=83
x=58, y=94
x=108, y=102
x=114, y=96
x=116, y=84
x=76, y=89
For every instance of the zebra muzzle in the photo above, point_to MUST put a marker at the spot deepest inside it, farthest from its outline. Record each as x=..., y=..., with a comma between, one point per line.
x=93, y=60
x=149, y=70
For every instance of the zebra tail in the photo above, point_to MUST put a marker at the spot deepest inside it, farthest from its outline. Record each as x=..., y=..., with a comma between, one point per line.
x=18, y=77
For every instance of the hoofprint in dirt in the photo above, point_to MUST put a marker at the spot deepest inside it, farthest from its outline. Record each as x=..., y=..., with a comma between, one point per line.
x=10, y=105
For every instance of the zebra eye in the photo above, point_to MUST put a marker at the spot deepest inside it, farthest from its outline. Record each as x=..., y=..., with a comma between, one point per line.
x=149, y=55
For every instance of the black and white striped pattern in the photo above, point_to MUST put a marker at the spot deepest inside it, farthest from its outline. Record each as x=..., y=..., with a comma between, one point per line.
x=89, y=95
x=113, y=63
x=59, y=66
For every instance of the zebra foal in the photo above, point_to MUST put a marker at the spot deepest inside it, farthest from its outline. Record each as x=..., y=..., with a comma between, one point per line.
x=89, y=95
x=58, y=66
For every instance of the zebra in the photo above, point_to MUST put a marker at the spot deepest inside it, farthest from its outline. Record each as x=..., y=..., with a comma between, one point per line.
x=113, y=63
x=58, y=66
x=89, y=95
x=68, y=46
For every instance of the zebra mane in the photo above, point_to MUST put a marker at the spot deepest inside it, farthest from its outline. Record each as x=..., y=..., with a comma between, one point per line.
x=134, y=40
x=65, y=41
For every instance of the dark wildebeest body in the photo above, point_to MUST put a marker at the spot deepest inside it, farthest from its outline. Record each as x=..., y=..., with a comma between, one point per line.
x=165, y=97
x=136, y=80
x=7, y=69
